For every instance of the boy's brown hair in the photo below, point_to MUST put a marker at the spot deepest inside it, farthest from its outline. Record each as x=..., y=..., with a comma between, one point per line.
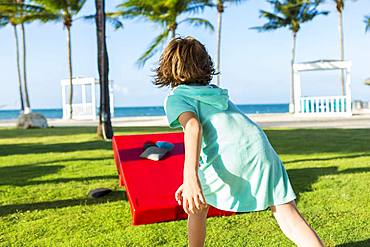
x=184, y=61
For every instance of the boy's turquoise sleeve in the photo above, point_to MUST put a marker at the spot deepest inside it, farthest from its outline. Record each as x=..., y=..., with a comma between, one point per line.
x=174, y=105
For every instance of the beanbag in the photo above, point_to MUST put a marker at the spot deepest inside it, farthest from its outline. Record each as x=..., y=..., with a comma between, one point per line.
x=156, y=151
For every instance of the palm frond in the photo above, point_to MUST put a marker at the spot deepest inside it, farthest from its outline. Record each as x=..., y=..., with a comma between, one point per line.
x=367, y=22
x=43, y=17
x=198, y=8
x=114, y=21
x=3, y=21
x=155, y=46
x=290, y=13
x=11, y=8
x=165, y=13
x=274, y=22
x=18, y=13
x=142, y=11
x=62, y=7
x=234, y=1
x=109, y=17
x=198, y=22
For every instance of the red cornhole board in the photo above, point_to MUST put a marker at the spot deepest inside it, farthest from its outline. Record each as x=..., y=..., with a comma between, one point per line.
x=151, y=185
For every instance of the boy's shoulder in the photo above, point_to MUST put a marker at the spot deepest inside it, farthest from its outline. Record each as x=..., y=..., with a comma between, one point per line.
x=175, y=99
x=174, y=96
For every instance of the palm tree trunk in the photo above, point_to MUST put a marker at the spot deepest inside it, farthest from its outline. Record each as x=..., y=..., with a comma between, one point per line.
x=220, y=10
x=27, y=99
x=69, y=51
x=173, y=28
x=18, y=68
x=340, y=26
x=105, y=129
x=292, y=103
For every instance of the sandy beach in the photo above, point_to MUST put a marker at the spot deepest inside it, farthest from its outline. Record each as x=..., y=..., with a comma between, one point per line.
x=275, y=120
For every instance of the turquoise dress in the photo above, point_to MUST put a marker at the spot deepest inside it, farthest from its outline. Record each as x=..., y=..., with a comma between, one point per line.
x=238, y=169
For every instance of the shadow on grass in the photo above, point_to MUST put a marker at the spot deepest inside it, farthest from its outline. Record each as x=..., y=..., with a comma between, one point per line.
x=315, y=141
x=328, y=158
x=67, y=180
x=24, y=175
x=303, y=179
x=39, y=148
x=363, y=243
x=58, y=131
x=15, y=208
x=53, y=162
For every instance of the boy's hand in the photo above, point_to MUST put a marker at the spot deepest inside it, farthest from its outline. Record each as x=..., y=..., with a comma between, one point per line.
x=192, y=195
x=178, y=195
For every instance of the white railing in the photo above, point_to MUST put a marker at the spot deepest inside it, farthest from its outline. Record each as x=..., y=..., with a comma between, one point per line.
x=323, y=104
x=80, y=111
x=84, y=111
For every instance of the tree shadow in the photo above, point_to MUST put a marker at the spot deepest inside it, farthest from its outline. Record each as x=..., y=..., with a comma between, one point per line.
x=51, y=131
x=39, y=148
x=313, y=141
x=68, y=160
x=24, y=175
x=15, y=208
x=328, y=158
x=303, y=179
x=67, y=180
x=363, y=243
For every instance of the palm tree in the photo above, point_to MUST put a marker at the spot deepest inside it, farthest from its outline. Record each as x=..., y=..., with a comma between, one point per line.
x=291, y=14
x=65, y=11
x=105, y=129
x=22, y=19
x=18, y=67
x=9, y=14
x=367, y=22
x=15, y=12
x=340, y=6
x=166, y=14
x=5, y=20
x=220, y=9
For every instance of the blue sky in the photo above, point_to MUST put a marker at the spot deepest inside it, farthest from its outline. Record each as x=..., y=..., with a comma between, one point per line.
x=255, y=66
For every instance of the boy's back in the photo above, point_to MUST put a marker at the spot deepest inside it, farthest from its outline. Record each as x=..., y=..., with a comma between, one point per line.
x=233, y=149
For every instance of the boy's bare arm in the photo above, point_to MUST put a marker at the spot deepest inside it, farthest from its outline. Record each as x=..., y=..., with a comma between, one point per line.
x=192, y=139
x=192, y=192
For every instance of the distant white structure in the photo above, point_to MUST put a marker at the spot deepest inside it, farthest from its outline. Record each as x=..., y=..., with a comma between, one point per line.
x=86, y=95
x=322, y=105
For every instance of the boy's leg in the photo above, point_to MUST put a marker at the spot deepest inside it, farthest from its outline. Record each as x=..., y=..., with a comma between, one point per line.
x=294, y=225
x=197, y=227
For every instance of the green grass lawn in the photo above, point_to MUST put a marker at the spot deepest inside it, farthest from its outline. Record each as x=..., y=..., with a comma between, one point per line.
x=45, y=176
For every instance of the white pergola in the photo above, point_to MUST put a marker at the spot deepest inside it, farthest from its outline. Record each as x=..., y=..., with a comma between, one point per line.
x=322, y=105
x=88, y=94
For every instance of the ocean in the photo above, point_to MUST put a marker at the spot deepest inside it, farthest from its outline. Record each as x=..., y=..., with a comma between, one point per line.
x=149, y=111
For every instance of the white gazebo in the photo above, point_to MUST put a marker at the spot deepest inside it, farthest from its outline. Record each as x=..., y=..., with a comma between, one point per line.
x=322, y=105
x=85, y=94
